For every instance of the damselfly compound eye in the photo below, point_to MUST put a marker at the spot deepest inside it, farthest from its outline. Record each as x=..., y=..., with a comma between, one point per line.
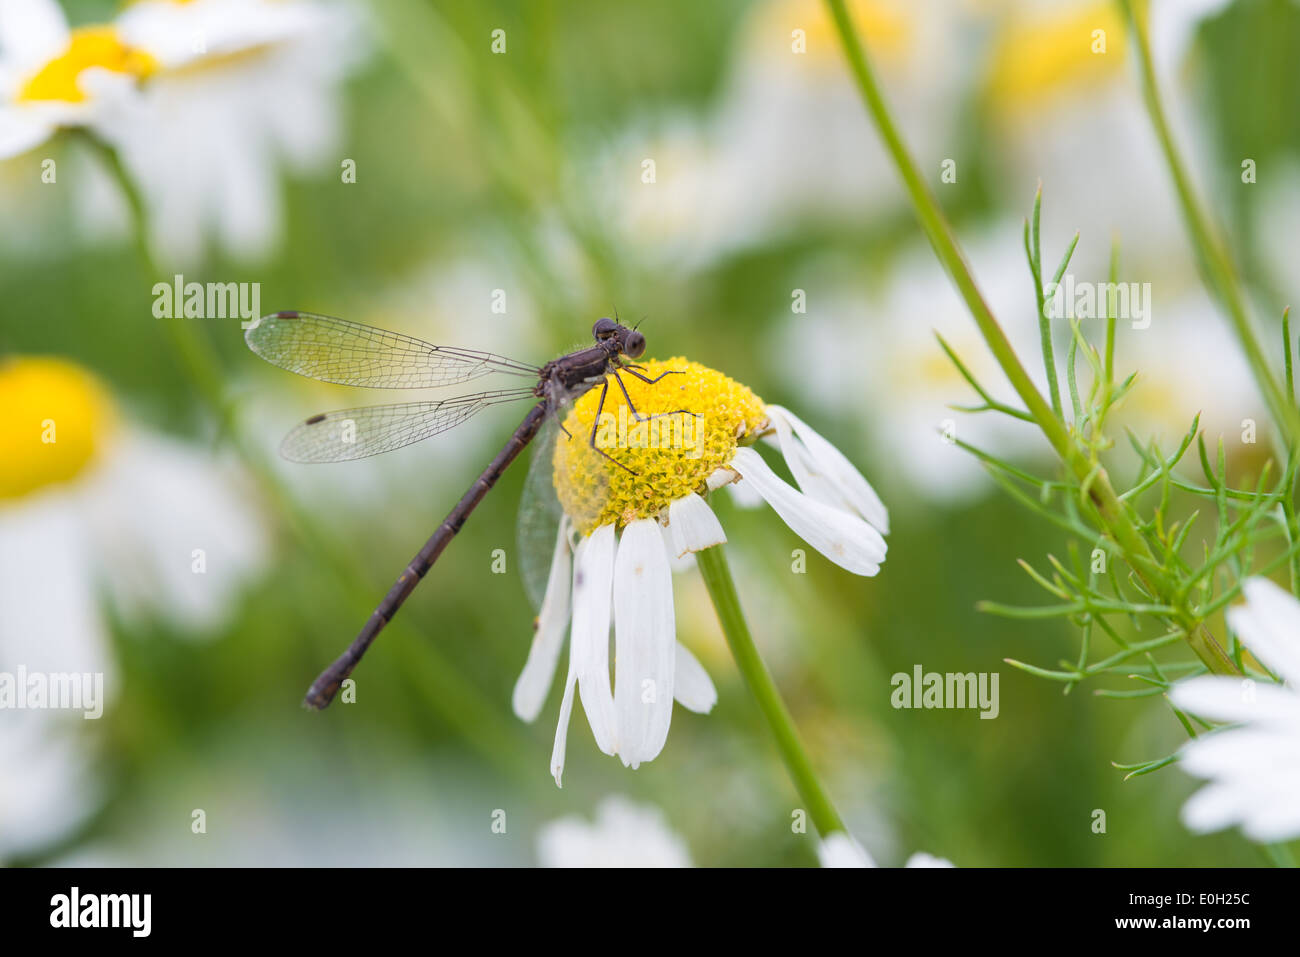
x=634, y=345
x=604, y=328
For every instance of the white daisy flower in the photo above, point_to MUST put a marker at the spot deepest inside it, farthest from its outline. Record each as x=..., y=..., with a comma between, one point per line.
x=841, y=850
x=638, y=500
x=1253, y=766
x=53, y=77
x=743, y=173
x=908, y=389
x=242, y=87
x=88, y=502
x=46, y=784
x=1065, y=107
x=624, y=834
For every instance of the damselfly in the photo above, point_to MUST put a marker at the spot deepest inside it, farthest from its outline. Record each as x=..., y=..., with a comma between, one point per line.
x=348, y=353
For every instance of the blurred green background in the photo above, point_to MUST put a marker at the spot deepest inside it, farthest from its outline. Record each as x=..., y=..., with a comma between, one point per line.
x=523, y=172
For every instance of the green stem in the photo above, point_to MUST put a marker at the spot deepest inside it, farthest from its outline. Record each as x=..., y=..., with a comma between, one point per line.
x=1216, y=263
x=722, y=589
x=1111, y=512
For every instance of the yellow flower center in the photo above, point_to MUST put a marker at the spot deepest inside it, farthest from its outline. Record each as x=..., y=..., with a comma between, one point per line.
x=54, y=418
x=89, y=47
x=1037, y=57
x=654, y=461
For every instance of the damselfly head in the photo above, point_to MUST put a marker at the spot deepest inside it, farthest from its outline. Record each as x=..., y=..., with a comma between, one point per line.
x=630, y=342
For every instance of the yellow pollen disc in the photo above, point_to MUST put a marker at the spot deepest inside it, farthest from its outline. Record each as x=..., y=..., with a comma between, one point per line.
x=89, y=47
x=1036, y=58
x=672, y=455
x=54, y=418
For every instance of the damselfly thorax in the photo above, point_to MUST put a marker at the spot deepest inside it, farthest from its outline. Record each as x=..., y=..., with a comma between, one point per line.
x=348, y=353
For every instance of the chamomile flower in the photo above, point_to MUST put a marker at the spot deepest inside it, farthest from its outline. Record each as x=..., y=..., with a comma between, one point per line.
x=91, y=506
x=624, y=834
x=746, y=171
x=637, y=500
x=46, y=784
x=242, y=87
x=53, y=77
x=841, y=850
x=1064, y=106
x=1254, y=766
x=875, y=349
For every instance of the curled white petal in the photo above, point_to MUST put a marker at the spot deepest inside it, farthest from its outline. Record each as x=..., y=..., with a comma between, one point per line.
x=552, y=621
x=562, y=726
x=593, y=580
x=692, y=686
x=645, y=642
x=825, y=463
x=844, y=538
x=692, y=526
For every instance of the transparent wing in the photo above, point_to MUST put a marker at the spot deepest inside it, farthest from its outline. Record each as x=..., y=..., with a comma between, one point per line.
x=539, y=515
x=348, y=353
x=357, y=433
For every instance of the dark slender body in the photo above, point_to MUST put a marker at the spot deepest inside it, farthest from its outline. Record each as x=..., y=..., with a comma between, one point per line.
x=564, y=378
x=323, y=689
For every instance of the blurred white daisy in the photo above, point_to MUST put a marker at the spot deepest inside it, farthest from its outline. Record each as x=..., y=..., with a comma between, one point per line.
x=624, y=834
x=874, y=349
x=47, y=786
x=53, y=77
x=841, y=850
x=653, y=493
x=1063, y=97
x=92, y=509
x=242, y=87
x=1254, y=766
x=787, y=142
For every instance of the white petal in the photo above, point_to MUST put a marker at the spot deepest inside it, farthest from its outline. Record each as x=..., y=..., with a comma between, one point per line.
x=1237, y=699
x=835, y=466
x=31, y=32
x=1269, y=625
x=841, y=850
x=562, y=727
x=692, y=686
x=1239, y=753
x=845, y=539
x=645, y=642
x=593, y=579
x=693, y=526
x=922, y=859
x=22, y=130
x=552, y=621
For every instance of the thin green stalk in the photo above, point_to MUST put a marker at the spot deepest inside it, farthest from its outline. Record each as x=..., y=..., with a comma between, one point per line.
x=1113, y=515
x=1216, y=263
x=722, y=589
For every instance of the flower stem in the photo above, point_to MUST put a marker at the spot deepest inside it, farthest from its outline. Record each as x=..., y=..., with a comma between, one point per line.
x=722, y=589
x=1113, y=516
